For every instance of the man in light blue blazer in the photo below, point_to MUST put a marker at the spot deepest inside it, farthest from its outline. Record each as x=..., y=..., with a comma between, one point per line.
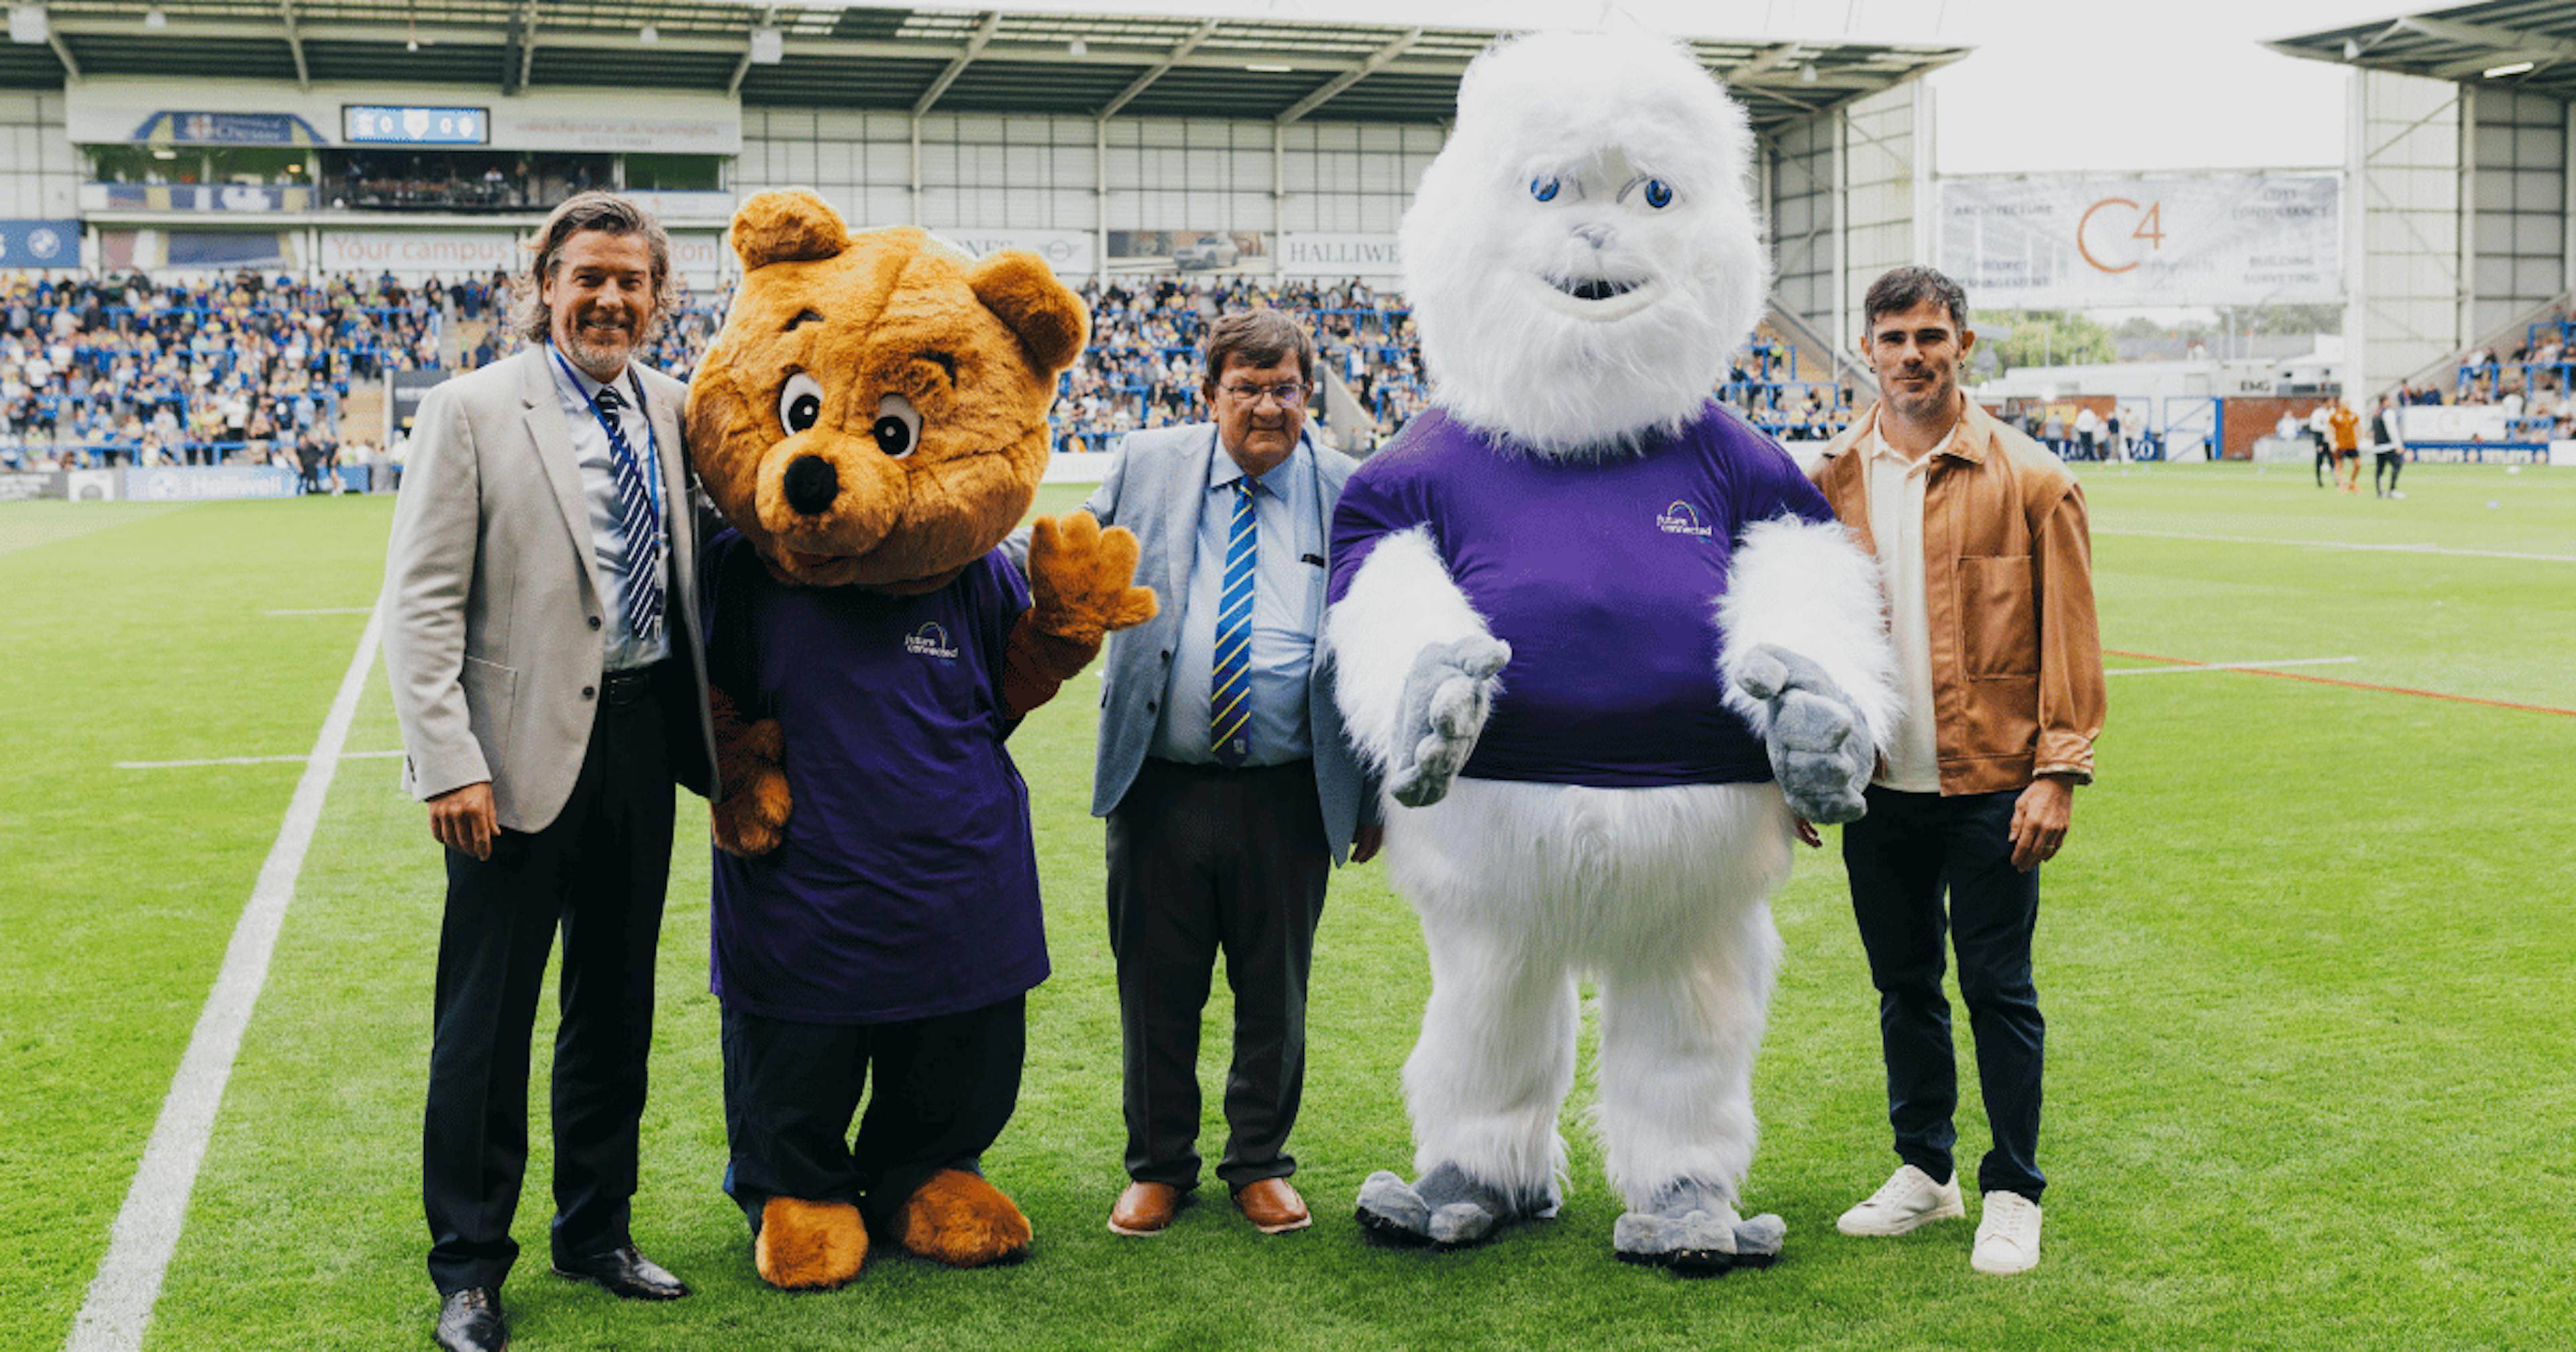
x=1229, y=789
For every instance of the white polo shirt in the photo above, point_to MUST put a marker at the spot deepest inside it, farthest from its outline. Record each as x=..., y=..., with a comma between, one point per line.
x=1896, y=527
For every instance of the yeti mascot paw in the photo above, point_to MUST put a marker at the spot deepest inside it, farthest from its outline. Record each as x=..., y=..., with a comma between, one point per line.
x=872, y=422
x=1600, y=639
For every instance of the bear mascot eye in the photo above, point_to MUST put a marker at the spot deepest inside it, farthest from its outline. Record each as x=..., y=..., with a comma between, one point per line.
x=1544, y=189
x=800, y=403
x=898, y=426
x=1659, y=194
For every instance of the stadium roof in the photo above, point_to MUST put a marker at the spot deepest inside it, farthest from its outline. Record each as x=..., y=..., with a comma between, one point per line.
x=2526, y=45
x=915, y=59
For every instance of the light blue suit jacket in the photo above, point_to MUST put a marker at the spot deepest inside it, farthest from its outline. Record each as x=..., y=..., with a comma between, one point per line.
x=1155, y=488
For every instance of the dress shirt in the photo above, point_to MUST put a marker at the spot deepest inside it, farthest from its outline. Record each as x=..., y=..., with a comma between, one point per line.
x=599, y=490
x=1287, y=602
x=1896, y=484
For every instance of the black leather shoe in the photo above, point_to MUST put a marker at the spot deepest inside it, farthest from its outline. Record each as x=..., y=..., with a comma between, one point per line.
x=627, y=1274
x=470, y=1321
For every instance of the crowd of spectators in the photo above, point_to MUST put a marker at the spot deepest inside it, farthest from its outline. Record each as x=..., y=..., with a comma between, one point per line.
x=254, y=369
x=123, y=370
x=1142, y=369
x=2531, y=384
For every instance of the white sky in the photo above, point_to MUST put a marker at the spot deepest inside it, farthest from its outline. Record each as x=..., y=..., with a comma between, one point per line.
x=2054, y=85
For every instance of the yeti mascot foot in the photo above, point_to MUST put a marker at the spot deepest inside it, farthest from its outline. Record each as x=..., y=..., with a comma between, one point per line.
x=1601, y=640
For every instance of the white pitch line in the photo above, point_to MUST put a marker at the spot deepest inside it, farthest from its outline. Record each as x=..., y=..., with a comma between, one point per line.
x=246, y=760
x=329, y=610
x=119, y=1305
x=2232, y=666
x=2342, y=544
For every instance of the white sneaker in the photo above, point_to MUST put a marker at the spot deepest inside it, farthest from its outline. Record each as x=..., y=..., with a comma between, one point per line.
x=2007, y=1235
x=1908, y=1199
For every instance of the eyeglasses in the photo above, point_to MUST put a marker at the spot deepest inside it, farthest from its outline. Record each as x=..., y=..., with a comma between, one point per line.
x=1289, y=394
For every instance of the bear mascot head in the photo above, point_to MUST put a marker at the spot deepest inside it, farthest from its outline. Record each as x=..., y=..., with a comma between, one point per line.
x=1583, y=255
x=875, y=409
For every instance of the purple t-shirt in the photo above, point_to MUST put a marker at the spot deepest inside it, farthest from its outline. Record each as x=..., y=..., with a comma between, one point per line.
x=906, y=886
x=1602, y=574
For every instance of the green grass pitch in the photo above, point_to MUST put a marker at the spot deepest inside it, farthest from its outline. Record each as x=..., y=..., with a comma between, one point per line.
x=2306, y=965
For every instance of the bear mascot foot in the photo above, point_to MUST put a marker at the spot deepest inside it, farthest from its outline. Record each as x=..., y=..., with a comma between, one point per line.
x=1445, y=1208
x=808, y=1246
x=1694, y=1229
x=959, y=1219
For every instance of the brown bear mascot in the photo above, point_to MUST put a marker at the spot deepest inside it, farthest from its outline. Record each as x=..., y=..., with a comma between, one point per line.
x=872, y=421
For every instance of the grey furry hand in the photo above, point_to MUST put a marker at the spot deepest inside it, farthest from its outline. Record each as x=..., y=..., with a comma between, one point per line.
x=1446, y=697
x=1820, y=753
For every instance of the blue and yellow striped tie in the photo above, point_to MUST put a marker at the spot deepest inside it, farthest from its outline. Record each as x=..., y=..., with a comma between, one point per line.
x=1230, y=680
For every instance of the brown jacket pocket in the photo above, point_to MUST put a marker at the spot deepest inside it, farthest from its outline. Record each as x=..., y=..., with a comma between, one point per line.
x=1998, y=619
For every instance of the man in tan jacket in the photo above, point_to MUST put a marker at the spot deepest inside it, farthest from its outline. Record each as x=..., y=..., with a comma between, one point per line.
x=541, y=637
x=1981, y=536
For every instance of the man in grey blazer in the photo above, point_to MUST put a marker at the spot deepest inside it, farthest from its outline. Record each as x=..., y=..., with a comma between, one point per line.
x=541, y=637
x=1229, y=789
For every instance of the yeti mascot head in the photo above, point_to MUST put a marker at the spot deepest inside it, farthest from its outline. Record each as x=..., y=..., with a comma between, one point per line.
x=1583, y=256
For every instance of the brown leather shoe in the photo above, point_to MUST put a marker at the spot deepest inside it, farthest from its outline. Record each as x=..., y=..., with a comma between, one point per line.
x=1273, y=1207
x=1144, y=1209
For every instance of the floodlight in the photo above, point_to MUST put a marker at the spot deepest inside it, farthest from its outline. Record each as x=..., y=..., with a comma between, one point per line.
x=154, y=18
x=27, y=24
x=768, y=46
x=1272, y=70
x=649, y=35
x=2499, y=72
x=1077, y=47
x=1807, y=73
x=2352, y=49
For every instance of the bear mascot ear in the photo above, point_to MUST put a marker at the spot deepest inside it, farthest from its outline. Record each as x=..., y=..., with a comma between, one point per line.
x=1022, y=289
x=787, y=226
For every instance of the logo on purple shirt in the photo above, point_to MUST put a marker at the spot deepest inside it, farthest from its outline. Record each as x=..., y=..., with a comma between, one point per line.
x=1681, y=518
x=930, y=640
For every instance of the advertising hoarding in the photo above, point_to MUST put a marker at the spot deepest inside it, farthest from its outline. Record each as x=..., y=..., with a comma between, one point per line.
x=2082, y=243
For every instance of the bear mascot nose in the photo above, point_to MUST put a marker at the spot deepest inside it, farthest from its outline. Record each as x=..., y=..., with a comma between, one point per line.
x=811, y=484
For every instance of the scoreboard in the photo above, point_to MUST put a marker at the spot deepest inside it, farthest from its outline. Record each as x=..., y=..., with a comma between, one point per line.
x=379, y=125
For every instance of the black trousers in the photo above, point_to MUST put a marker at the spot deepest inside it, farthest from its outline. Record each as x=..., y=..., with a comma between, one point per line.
x=597, y=873
x=945, y=1088
x=2386, y=463
x=1203, y=860
x=1909, y=851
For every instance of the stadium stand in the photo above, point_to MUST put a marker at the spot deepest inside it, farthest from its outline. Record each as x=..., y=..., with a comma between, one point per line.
x=128, y=371
x=2531, y=383
x=123, y=370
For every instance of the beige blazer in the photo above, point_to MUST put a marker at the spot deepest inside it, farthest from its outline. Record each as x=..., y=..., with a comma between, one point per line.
x=494, y=636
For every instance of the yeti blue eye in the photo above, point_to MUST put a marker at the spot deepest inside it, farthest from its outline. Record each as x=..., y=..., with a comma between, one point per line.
x=1544, y=189
x=1659, y=194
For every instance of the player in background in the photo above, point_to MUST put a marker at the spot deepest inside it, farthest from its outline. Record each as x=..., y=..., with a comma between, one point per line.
x=2345, y=427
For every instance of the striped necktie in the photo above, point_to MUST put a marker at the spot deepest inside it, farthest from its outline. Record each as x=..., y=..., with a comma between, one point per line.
x=1230, y=681
x=643, y=581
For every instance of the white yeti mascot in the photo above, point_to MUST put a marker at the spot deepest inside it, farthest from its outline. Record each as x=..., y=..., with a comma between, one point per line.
x=1590, y=628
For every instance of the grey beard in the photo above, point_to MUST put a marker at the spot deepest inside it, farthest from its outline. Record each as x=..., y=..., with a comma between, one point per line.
x=600, y=364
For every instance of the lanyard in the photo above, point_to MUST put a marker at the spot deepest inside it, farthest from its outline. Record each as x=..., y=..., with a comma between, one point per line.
x=652, y=484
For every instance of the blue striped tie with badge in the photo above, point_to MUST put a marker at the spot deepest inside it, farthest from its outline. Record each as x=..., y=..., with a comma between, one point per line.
x=1230, y=680
x=635, y=521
